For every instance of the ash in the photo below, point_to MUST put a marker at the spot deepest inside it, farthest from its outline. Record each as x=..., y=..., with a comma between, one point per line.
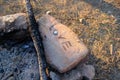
x=18, y=61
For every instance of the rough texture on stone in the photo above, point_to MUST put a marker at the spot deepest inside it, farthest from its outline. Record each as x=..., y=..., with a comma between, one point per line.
x=72, y=75
x=14, y=26
x=54, y=76
x=81, y=72
x=63, y=49
x=13, y=22
x=88, y=71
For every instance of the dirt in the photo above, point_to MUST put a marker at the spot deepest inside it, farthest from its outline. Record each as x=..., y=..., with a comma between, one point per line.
x=96, y=22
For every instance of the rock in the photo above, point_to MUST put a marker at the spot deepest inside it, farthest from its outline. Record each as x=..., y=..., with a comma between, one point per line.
x=83, y=21
x=63, y=49
x=14, y=27
x=13, y=22
x=88, y=71
x=72, y=75
x=54, y=76
x=81, y=72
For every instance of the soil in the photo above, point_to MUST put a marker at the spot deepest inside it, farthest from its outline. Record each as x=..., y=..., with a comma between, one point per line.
x=97, y=23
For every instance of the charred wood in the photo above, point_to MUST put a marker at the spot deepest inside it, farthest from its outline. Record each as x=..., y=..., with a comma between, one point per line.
x=36, y=37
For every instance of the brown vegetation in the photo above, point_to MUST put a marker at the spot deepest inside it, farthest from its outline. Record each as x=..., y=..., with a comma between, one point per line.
x=96, y=22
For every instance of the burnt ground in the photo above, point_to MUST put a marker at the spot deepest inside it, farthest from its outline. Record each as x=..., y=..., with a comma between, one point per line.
x=97, y=23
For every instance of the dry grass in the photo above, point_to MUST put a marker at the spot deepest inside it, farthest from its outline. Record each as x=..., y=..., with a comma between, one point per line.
x=98, y=31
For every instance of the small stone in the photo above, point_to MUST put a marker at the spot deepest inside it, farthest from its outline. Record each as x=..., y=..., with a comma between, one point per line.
x=54, y=76
x=26, y=46
x=109, y=12
x=88, y=71
x=83, y=21
x=73, y=75
x=48, y=12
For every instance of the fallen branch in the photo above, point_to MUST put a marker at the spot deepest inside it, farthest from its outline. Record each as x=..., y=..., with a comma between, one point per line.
x=36, y=37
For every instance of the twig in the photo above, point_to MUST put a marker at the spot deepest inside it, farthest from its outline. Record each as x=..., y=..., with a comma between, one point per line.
x=36, y=37
x=111, y=49
x=117, y=39
x=7, y=76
